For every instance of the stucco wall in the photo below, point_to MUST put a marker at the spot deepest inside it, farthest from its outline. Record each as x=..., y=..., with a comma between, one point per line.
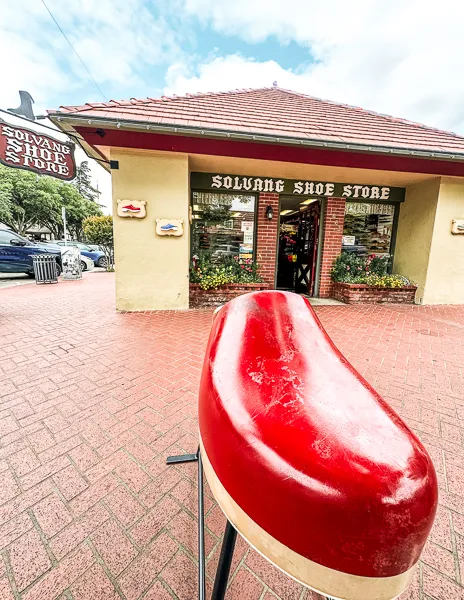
x=445, y=278
x=151, y=271
x=415, y=230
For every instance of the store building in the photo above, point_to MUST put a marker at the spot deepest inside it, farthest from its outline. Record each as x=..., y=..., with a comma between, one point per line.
x=273, y=175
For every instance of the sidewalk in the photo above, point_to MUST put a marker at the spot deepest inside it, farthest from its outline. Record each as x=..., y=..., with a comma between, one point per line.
x=93, y=401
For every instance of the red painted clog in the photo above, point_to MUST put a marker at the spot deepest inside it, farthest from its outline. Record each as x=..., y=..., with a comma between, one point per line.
x=306, y=460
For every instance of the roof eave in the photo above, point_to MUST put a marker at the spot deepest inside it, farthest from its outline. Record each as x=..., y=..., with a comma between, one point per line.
x=63, y=120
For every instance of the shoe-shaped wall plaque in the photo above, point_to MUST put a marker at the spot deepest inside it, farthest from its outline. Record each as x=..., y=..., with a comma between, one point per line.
x=306, y=460
x=173, y=227
x=132, y=209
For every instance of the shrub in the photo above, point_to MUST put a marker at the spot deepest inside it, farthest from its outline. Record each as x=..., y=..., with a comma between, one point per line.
x=372, y=270
x=211, y=275
x=349, y=268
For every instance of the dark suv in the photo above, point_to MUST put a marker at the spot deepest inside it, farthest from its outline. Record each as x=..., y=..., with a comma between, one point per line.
x=16, y=253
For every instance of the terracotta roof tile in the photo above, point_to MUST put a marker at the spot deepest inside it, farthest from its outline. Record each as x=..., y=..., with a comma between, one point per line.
x=277, y=112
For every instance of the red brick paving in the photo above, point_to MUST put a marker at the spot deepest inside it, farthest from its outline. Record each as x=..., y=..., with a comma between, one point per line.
x=92, y=401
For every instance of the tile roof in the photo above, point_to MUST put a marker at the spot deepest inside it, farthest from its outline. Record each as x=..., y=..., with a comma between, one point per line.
x=275, y=112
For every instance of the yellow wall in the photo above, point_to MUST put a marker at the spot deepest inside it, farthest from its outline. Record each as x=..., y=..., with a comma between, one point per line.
x=151, y=271
x=414, y=237
x=445, y=278
x=426, y=250
x=287, y=170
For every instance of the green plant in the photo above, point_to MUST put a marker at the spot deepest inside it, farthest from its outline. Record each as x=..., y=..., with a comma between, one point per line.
x=377, y=265
x=349, y=268
x=99, y=230
x=211, y=275
x=371, y=270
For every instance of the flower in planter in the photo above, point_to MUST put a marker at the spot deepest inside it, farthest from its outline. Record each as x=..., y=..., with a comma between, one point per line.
x=389, y=281
x=211, y=274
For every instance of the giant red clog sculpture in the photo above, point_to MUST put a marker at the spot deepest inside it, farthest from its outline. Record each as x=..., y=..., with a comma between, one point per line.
x=305, y=459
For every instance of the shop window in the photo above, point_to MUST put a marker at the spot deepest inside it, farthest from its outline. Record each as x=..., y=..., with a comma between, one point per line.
x=223, y=225
x=368, y=228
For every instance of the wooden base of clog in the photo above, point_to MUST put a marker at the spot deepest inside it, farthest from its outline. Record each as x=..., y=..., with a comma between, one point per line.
x=335, y=584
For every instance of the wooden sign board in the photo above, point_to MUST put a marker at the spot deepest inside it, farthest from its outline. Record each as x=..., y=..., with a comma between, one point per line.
x=22, y=148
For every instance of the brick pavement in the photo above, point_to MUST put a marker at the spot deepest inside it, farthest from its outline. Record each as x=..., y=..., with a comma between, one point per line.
x=92, y=401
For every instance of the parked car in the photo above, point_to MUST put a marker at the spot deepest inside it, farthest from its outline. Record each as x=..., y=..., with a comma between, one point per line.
x=16, y=253
x=97, y=256
x=87, y=264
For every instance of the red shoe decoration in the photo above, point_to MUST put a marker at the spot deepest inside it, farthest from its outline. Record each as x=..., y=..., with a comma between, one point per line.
x=131, y=208
x=306, y=460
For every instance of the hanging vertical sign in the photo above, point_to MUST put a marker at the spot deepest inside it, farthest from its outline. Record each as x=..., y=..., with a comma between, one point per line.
x=23, y=148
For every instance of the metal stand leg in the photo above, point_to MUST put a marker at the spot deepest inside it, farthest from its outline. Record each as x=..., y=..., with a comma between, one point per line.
x=201, y=533
x=228, y=542
x=182, y=458
x=225, y=561
x=187, y=458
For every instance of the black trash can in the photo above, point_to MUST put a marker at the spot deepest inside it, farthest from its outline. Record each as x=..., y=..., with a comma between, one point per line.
x=45, y=268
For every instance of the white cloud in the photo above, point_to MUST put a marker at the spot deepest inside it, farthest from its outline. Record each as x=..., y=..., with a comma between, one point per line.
x=404, y=57
x=117, y=40
x=26, y=64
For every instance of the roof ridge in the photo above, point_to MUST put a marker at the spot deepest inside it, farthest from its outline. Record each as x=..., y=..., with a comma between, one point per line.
x=188, y=95
x=163, y=98
x=369, y=112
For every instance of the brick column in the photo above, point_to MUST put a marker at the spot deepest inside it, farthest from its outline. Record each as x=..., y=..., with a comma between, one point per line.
x=334, y=218
x=266, y=237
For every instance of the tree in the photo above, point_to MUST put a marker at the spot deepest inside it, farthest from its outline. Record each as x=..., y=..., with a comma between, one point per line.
x=99, y=230
x=27, y=200
x=6, y=187
x=83, y=182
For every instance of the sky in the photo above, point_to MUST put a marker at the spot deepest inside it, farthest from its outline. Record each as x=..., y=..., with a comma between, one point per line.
x=400, y=57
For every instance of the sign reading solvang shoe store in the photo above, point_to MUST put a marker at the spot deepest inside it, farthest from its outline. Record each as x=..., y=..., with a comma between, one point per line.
x=23, y=148
x=241, y=183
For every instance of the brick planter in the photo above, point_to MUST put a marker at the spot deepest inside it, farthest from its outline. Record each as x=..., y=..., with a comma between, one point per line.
x=205, y=298
x=360, y=293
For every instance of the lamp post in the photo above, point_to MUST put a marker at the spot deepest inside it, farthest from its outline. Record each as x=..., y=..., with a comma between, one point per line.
x=63, y=216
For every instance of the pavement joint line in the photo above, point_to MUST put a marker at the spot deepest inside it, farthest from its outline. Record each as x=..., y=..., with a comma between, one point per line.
x=266, y=585
x=9, y=573
x=457, y=569
x=166, y=585
x=103, y=565
x=241, y=564
x=444, y=575
x=63, y=499
x=43, y=537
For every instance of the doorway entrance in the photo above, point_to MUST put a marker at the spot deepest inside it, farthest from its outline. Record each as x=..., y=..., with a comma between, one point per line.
x=299, y=230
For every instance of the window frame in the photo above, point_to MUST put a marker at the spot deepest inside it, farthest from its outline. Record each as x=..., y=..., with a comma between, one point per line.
x=225, y=193
x=396, y=216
